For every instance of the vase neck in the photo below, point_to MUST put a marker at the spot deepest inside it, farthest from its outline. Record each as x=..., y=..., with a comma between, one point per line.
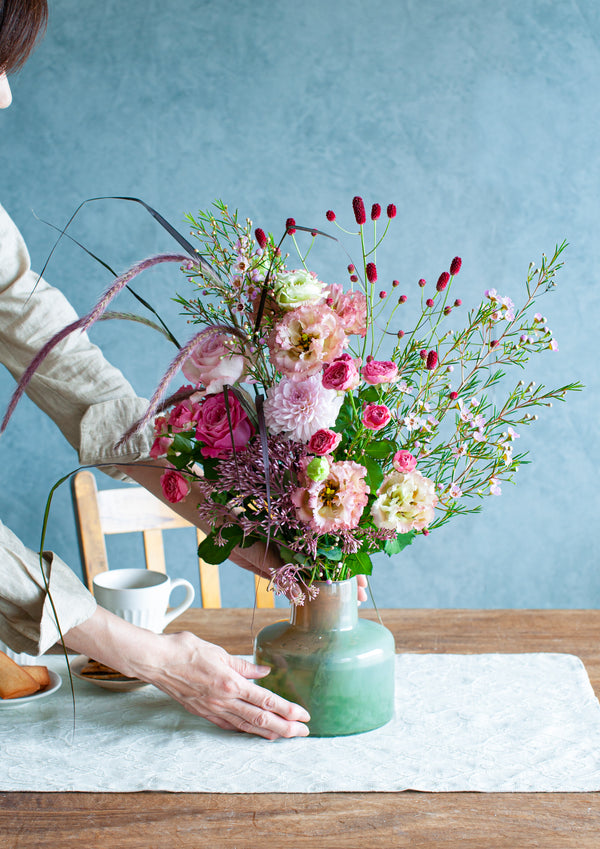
x=334, y=609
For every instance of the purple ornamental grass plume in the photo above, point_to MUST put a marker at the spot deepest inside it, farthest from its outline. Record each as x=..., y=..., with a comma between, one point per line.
x=84, y=323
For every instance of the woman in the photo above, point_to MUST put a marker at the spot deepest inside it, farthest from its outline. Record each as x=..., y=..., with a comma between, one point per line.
x=85, y=396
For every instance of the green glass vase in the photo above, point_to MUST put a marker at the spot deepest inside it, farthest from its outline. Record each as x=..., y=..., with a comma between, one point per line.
x=337, y=666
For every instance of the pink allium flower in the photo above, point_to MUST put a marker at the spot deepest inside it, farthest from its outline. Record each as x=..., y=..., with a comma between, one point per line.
x=371, y=272
x=455, y=265
x=405, y=502
x=213, y=426
x=160, y=446
x=342, y=374
x=391, y=210
x=351, y=308
x=324, y=441
x=375, y=211
x=359, y=210
x=442, y=281
x=376, y=416
x=305, y=339
x=214, y=364
x=336, y=503
x=380, y=371
x=299, y=408
x=174, y=486
x=260, y=237
x=330, y=215
x=404, y=461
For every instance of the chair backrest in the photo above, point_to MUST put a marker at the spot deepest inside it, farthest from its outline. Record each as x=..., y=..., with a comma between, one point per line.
x=134, y=509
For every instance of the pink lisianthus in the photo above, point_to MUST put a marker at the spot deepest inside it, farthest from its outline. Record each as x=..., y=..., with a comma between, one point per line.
x=183, y=416
x=324, y=441
x=174, y=486
x=305, y=339
x=335, y=503
x=377, y=371
x=299, y=408
x=404, y=461
x=213, y=426
x=351, y=308
x=405, y=502
x=160, y=446
x=213, y=363
x=342, y=374
x=376, y=416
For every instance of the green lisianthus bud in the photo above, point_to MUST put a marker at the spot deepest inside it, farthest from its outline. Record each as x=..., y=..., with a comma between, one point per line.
x=318, y=469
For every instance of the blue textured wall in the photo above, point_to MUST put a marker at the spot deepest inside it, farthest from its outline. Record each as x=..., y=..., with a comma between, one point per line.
x=480, y=120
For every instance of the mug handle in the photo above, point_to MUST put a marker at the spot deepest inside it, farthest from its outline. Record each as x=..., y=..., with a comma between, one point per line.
x=189, y=597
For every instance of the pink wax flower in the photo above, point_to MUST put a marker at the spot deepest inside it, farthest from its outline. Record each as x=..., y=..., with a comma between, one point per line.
x=351, y=308
x=376, y=416
x=299, y=408
x=213, y=426
x=342, y=374
x=404, y=461
x=379, y=371
x=324, y=441
x=214, y=363
x=335, y=503
x=305, y=339
x=160, y=446
x=174, y=486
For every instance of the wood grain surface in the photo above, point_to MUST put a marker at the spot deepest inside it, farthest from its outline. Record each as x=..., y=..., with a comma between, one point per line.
x=342, y=820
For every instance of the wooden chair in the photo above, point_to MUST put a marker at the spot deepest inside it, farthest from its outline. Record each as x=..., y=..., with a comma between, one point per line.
x=134, y=509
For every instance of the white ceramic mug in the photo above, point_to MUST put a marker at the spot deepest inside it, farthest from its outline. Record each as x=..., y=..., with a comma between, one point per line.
x=141, y=596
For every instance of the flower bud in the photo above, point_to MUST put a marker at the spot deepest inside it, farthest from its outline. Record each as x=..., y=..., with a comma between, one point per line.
x=353, y=278
x=395, y=283
x=442, y=281
x=260, y=237
x=290, y=226
x=383, y=294
x=318, y=469
x=351, y=269
x=375, y=211
x=457, y=302
x=453, y=396
x=330, y=215
x=447, y=310
x=400, y=334
x=359, y=210
x=429, y=302
x=422, y=283
x=423, y=354
x=455, y=265
x=402, y=299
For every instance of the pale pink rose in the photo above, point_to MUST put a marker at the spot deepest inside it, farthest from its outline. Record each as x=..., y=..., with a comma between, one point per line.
x=299, y=408
x=174, y=486
x=160, y=446
x=324, y=441
x=376, y=416
x=377, y=371
x=351, y=308
x=404, y=461
x=342, y=374
x=305, y=339
x=183, y=416
x=213, y=426
x=336, y=503
x=214, y=363
x=405, y=502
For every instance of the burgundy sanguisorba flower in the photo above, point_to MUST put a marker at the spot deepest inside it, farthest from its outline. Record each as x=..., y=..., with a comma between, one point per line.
x=432, y=360
x=330, y=215
x=455, y=265
x=375, y=211
x=260, y=237
x=371, y=272
x=442, y=281
x=391, y=210
x=359, y=210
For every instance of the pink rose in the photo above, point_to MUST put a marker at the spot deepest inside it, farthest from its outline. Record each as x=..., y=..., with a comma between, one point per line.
x=213, y=426
x=160, y=446
x=174, y=486
x=342, y=374
x=376, y=416
x=403, y=461
x=183, y=416
x=324, y=441
x=375, y=372
x=214, y=363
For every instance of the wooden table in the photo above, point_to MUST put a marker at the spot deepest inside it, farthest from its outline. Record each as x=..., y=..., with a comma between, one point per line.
x=341, y=820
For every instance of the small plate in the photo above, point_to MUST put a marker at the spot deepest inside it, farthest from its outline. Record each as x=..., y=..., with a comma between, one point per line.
x=79, y=662
x=55, y=682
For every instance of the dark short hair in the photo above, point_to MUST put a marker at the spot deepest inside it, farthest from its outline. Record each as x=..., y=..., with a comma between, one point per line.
x=22, y=22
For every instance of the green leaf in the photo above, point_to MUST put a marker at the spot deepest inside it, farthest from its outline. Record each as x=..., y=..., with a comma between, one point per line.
x=374, y=473
x=210, y=466
x=210, y=552
x=334, y=553
x=359, y=564
x=394, y=546
x=369, y=395
x=182, y=443
x=380, y=448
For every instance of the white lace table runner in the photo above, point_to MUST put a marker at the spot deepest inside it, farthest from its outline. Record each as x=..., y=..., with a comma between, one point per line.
x=495, y=722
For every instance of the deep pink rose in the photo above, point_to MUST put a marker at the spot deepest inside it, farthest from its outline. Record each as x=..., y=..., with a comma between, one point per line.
x=183, y=416
x=342, y=374
x=376, y=416
x=213, y=426
x=214, y=362
x=160, y=446
x=377, y=371
x=324, y=441
x=403, y=461
x=174, y=486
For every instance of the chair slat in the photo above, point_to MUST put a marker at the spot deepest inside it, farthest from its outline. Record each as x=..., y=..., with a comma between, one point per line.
x=89, y=527
x=264, y=596
x=210, y=584
x=155, y=551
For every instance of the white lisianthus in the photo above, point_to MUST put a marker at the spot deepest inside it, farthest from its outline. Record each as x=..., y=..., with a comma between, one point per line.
x=405, y=502
x=295, y=288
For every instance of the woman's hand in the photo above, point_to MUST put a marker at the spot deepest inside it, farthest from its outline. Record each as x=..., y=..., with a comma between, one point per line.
x=200, y=676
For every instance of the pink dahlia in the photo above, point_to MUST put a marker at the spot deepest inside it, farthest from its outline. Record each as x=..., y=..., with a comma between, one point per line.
x=336, y=503
x=351, y=308
x=305, y=339
x=299, y=408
